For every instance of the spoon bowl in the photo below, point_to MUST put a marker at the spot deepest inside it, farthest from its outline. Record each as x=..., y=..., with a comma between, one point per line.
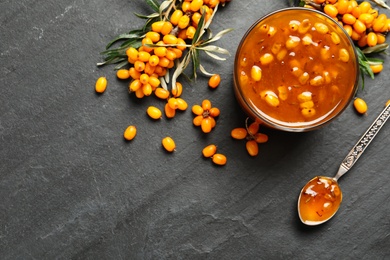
x=320, y=198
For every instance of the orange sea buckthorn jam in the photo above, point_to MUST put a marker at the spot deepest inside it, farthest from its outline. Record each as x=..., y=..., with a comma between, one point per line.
x=295, y=68
x=319, y=200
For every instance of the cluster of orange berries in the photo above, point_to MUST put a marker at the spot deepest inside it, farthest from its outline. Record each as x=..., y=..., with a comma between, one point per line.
x=205, y=116
x=252, y=136
x=361, y=21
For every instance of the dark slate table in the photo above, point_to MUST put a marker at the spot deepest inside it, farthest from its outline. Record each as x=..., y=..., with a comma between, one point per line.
x=72, y=188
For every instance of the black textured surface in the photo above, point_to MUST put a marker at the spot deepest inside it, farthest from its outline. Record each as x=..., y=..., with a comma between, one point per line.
x=71, y=187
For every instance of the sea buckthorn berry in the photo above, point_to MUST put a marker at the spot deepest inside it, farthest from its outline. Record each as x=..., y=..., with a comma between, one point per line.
x=181, y=44
x=214, y=81
x=331, y=10
x=305, y=96
x=307, y=104
x=170, y=39
x=294, y=25
x=149, y=69
x=271, y=31
x=270, y=98
x=275, y=48
x=344, y=55
x=321, y=28
x=184, y=22
x=154, y=60
x=379, y=24
x=139, y=66
x=266, y=59
x=132, y=53
x=209, y=150
x=360, y=105
x=206, y=125
x=304, y=26
x=304, y=78
x=261, y=138
x=197, y=110
x=372, y=39
x=214, y=112
x=342, y=6
x=381, y=38
x=144, y=78
x=143, y=56
x=173, y=103
x=366, y=18
x=256, y=73
x=175, y=17
x=147, y=89
x=348, y=19
x=130, y=133
x=179, y=53
x=308, y=112
x=359, y=27
x=122, y=74
x=252, y=147
x=348, y=28
x=376, y=68
x=292, y=42
x=134, y=74
x=186, y=6
x=157, y=26
x=190, y=32
x=253, y=128
x=164, y=62
x=356, y=36
x=166, y=28
x=296, y=71
x=264, y=28
x=206, y=104
x=154, y=36
x=171, y=55
x=169, y=144
x=135, y=85
x=197, y=121
x=181, y=104
x=239, y=133
x=283, y=92
x=196, y=18
x=101, y=85
x=145, y=42
x=139, y=93
x=335, y=38
x=154, y=112
x=356, y=11
x=160, y=51
x=195, y=5
x=161, y=93
x=317, y=81
x=169, y=112
x=219, y=159
x=176, y=92
x=282, y=54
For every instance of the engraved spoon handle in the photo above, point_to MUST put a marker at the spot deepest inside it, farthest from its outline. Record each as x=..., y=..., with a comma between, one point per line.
x=364, y=141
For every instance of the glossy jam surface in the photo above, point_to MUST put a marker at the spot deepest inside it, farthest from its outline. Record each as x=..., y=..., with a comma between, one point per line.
x=296, y=68
x=319, y=200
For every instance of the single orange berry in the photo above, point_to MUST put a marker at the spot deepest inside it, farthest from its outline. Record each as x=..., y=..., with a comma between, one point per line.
x=214, y=112
x=172, y=102
x=206, y=104
x=360, y=105
x=181, y=104
x=253, y=128
x=169, y=144
x=206, y=125
x=214, y=81
x=161, y=93
x=169, y=112
x=101, y=85
x=219, y=159
x=123, y=74
x=176, y=92
x=376, y=68
x=209, y=150
x=197, y=121
x=261, y=138
x=239, y=133
x=252, y=147
x=154, y=112
x=130, y=133
x=197, y=110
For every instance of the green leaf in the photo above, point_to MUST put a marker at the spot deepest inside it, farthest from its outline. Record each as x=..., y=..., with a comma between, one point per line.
x=147, y=16
x=153, y=4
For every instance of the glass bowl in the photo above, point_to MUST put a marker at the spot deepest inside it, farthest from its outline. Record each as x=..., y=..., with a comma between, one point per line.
x=295, y=69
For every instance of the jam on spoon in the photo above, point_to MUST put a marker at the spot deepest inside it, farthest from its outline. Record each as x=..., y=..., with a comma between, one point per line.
x=320, y=198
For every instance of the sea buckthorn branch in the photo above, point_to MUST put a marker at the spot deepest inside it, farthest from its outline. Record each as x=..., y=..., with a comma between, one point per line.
x=363, y=23
x=182, y=25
